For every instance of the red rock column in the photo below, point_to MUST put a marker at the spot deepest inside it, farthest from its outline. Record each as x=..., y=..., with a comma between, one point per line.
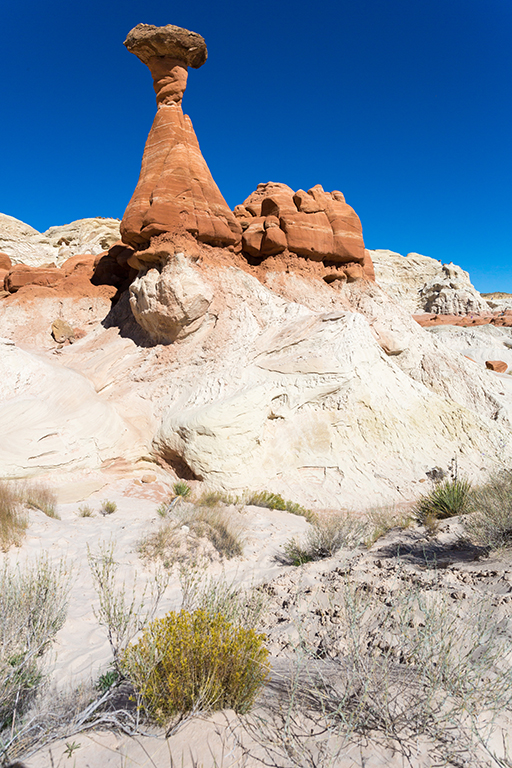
x=175, y=191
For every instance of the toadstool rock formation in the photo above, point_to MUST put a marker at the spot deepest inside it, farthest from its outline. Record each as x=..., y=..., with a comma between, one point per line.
x=176, y=191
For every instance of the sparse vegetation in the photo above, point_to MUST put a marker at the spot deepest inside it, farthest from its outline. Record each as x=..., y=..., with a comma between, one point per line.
x=181, y=488
x=85, y=511
x=33, y=604
x=395, y=668
x=447, y=499
x=276, y=501
x=108, y=507
x=384, y=519
x=490, y=525
x=178, y=538
x=215, y=595
x=119, y=610
x=40, y=496
x=327, y=534
x=214, y=498
x=13, y=518
x=187, y=662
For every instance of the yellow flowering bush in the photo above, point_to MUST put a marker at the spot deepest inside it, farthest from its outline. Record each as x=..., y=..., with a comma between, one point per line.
x=196, y=660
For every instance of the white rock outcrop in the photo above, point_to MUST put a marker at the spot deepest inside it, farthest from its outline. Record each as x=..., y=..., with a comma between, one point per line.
x=330, y=394
x=52, y=418
x=498, y=302
x=25, y=245
x=421, y=284
x=170, y=302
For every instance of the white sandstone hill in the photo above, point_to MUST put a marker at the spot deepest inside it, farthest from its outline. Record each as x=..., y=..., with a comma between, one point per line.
x=328, y=393
x=25, y=245
x=421, y=284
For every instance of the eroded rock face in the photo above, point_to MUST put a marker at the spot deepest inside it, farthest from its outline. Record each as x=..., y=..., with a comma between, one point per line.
x=422, y=284
x=316, y=224
x=25, y=245
x=176, y=191
x=52, y=419
x=172, y=301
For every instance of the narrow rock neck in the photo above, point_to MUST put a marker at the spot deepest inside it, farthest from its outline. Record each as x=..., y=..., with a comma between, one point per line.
x=169, y=79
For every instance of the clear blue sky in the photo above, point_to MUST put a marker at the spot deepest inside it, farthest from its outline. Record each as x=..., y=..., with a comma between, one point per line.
x=403, y=105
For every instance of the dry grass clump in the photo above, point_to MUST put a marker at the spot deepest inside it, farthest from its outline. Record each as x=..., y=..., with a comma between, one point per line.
x=40, y=496
x=214, y=498
x=13, y=518
x=14, y=497
x=84, y=510
x=447, y=499
x=490, y=525
x=328, y=533
x=384, y=519
x=33, y=604
x=108, y=507
x=181, y=537
x=187, y=662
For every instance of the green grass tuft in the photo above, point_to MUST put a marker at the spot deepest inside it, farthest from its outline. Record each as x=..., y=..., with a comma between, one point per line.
x=449, y=498
x=181, y=488
x=108, y=507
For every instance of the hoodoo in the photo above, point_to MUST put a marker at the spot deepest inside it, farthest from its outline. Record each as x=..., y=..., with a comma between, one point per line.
x=176, y=191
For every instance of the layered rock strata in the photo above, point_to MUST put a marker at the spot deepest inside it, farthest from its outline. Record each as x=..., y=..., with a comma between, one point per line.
x=176, y=191
x=317, y=225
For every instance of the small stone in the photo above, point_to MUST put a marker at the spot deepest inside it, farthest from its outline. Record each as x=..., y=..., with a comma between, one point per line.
x=496, y=365
x=148, y=479
x=62, y=331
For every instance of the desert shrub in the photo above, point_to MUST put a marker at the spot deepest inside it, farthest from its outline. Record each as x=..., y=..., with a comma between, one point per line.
x=13, y=519
x=449, y=498
x=108, y=507
x=405, y=665
x=490, y=525
x=182, y=489
x=217, y=527
x=85, y=511
x=119, y=610
x=33, y=604
x=196, y=661
x=328, y=533
x=169, y=544
x=215, y=595
x=275, y=501
x=40, y=496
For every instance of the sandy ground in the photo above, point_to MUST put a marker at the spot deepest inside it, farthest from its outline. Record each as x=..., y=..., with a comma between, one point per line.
x=81, y=649
x=302, y=603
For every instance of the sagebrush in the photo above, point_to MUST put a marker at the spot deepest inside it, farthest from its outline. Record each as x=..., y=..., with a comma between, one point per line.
x=33, y=605
x=328, y=533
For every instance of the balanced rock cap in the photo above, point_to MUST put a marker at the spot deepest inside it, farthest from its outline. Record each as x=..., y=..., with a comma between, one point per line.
x=146, y=40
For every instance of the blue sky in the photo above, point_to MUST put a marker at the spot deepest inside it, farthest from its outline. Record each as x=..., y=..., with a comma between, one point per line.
x=403, y=105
